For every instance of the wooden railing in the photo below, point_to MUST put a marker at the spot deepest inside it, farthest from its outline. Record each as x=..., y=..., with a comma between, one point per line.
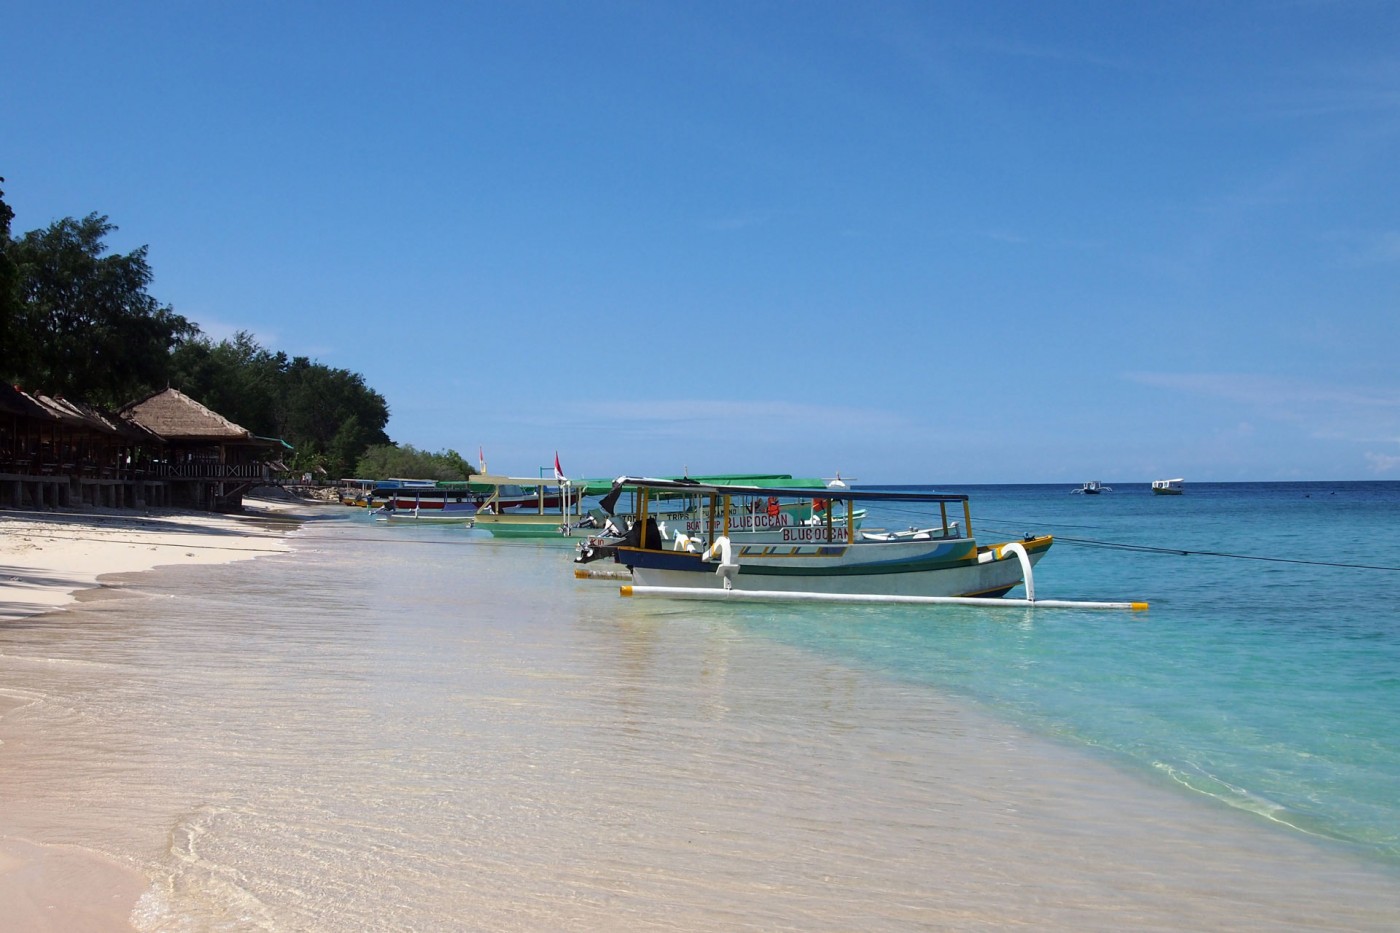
x=193, y=470
x=211, y=471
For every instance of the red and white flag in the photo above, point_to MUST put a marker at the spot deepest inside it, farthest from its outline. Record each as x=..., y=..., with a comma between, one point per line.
x=558, y=473
x=481, y=459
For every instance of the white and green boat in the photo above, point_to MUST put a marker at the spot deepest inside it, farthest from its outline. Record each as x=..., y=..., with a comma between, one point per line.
x=525, y=507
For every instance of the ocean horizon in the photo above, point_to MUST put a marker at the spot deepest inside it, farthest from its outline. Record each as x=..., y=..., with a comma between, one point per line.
x=422, y=728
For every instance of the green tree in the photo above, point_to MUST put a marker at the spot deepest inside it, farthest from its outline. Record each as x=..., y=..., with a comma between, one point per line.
x=383, y=461
x=329, y=414
x=78, y=321
x=237, y=378
x=97, y=334
x=17, y=348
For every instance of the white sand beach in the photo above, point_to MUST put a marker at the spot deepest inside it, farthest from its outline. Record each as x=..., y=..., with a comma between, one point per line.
x=46, y=560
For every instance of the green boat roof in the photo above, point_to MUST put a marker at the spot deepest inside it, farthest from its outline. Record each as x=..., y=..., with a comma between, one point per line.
x=597, y=487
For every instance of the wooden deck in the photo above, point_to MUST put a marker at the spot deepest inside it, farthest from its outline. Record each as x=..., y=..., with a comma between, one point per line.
x=215, y=486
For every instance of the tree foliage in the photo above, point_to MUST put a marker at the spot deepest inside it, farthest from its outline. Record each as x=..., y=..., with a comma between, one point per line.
x=16, y=347
x=331, y=413
x=91, y=330
x=237, y=378
x=328, y=415
x=78, y=321
x=390, y=460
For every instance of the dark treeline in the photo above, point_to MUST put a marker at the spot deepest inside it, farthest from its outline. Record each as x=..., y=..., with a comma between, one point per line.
x=78, y=321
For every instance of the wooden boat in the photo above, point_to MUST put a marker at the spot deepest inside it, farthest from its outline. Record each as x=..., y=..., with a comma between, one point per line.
x=682, y=513
x=471, y=495
x=1092, y=488
x=552, y=510
x=406, y=509
x=940, y=559
x=355, y=492
x=1168, y=487
x=413, y=500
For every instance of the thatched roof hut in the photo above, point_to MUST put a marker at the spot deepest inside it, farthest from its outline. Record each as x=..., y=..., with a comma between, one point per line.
x=210, y=460
x=15, y=402
x=175, y=416
x=52, y=435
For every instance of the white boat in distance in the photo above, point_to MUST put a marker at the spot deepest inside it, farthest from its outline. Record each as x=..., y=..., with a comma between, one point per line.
x=1168, y=487
x=939, y=560
x=1092, y=488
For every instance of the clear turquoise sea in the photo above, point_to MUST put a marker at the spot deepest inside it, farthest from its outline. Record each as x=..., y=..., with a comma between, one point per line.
x=1266, y=674
x=408, y=728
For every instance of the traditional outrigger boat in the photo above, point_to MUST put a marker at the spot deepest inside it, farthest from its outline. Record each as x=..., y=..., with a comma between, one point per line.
x=355, y=492
x=556, y=511
x=450, y=502
x=461, y=502
x=1091, y=488
x=682, y=514
x=940, y=562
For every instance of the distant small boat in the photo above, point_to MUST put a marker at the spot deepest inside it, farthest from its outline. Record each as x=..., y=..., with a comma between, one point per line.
x=1168, y=487
x=356, y=492
x=1092, y=488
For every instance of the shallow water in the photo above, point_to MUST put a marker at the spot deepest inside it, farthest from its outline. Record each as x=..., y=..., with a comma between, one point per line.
x=412, y=729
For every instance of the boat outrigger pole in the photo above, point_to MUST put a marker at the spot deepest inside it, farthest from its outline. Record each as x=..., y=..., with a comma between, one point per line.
x=783, y=596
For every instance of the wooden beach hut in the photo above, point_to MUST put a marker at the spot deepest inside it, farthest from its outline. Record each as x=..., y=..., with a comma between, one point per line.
x=55, y=452
x=209, y=462
x=24, y=424
x=27, y=430
x=103, y=457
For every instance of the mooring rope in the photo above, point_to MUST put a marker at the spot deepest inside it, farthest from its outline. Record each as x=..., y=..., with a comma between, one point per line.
x=1189, y=552
x=1168, y=551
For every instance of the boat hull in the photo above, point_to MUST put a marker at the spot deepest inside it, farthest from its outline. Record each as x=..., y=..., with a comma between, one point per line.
x=950, y=567
x=542, y=528
x=409, y=499
x=442, y=513
x=439, y=503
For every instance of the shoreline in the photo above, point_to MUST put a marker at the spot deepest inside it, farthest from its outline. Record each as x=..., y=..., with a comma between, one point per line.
x=48, y=559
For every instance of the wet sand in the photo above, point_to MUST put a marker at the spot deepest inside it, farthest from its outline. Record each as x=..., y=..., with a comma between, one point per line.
x=46, y=560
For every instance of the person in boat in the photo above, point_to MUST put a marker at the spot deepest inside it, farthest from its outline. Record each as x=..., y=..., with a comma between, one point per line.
x=633, y=538
x=591, y=548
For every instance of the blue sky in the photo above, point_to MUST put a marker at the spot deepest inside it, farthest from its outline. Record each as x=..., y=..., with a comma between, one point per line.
x=911, y=242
